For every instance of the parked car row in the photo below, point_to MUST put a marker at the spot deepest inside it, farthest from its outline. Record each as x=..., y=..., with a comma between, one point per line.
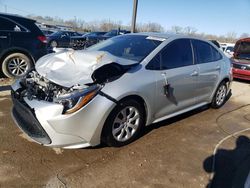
x=81, y=42
x=61, y=39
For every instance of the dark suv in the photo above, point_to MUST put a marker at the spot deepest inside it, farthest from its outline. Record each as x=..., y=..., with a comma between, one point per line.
x=22, y=43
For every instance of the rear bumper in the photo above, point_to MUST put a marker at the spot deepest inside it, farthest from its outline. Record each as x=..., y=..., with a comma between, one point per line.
x=241, y=74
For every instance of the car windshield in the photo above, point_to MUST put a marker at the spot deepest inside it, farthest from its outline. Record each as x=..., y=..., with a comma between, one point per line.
x=243, y=50
x=132, y=47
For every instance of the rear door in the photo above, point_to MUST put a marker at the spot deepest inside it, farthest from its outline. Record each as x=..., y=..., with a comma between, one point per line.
x=176, y=78
x=209, y=62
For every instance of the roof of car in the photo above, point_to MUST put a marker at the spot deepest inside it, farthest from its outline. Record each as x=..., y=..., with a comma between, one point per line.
x=244, y=40
x=166, y=35
x=155, y=34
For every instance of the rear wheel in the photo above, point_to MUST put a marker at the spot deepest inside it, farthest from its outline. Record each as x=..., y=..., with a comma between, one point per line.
x=124, y=124
x=16, y=65
x=53, y=44
x=220, y=96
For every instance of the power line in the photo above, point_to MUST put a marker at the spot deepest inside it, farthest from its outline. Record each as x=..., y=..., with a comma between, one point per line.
x=7, y=7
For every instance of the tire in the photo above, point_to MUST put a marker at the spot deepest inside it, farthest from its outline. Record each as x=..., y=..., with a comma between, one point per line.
x=124, y=124
x=220, y=96
x=53, y=44
x=16, y=65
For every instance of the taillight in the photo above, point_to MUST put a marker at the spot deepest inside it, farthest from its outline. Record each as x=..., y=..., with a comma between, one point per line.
x=42, y=38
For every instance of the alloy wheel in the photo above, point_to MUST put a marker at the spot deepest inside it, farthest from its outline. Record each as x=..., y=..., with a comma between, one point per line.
x=221, y=94
x=126, y=123
x=18, y=66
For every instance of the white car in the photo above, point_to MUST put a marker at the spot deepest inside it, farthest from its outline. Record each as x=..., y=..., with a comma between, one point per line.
x=111, y=91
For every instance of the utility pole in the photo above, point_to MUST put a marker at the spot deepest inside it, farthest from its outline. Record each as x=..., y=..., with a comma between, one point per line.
x=134, y=16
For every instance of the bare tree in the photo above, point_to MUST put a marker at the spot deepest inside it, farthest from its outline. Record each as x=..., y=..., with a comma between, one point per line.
x=177, y=29
x=231, y=37
x=190, y=30
x=149, y=27
x=244, y=35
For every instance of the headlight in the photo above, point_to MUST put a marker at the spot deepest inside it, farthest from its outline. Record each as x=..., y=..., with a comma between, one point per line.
x=77, y=99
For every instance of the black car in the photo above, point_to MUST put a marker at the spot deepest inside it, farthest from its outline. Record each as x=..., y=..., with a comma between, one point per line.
x=61, y=38
x=22, y=43
x=93, y=34
x=89, y=40
x=47, y=32
x=216, y=43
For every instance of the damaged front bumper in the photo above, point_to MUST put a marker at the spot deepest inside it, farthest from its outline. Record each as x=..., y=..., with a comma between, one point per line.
x=44, y=122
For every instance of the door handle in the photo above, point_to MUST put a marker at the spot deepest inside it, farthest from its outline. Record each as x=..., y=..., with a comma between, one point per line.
x=217, y=68
x=3, y=37
x=195, y=73
x=166, y=85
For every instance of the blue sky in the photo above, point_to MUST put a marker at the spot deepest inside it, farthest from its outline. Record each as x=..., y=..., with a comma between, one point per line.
x=209, y=16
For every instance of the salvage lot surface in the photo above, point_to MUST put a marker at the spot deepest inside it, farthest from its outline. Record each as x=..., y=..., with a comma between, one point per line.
x=173, y=153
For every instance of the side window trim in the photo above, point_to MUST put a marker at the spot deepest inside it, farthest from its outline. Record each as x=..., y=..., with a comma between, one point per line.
x=193, y=53
x=12, y=21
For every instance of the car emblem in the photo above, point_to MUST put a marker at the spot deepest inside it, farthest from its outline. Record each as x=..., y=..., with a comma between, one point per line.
x=243, y=67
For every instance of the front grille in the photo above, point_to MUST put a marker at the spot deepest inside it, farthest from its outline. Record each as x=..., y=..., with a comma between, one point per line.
x=78, y=44
x=27, y=121
x=241, y=66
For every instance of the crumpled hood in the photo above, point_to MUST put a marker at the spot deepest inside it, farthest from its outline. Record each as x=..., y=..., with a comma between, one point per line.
x=69, y=67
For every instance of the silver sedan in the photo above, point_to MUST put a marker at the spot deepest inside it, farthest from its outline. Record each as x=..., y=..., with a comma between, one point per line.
x=111, y=91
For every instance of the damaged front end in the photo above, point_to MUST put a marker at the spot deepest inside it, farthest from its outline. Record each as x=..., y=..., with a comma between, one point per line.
x=52, y=101
x=70, y=78
x=37, y=87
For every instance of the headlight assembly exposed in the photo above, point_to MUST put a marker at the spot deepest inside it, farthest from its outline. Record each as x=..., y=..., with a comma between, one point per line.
x=77, y=99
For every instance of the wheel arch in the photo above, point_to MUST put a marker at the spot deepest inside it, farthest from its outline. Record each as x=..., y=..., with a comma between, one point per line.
x=225, y=79
x=135, y=97
x=138, y=99
x=16, y=50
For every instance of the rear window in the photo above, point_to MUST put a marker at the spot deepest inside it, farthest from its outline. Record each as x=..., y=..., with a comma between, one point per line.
x=205, y=53
x=243, y=47
x=9, y=25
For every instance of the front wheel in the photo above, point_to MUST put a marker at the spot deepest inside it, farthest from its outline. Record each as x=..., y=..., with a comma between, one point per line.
x=220, y=96
x=124, y=124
